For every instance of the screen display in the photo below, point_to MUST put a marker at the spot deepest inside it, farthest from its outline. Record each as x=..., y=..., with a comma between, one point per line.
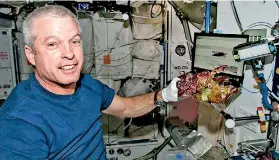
x=211, y=52
x=83, y=6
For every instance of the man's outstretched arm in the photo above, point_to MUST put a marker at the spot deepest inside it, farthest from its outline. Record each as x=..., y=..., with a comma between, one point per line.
x=139, y=105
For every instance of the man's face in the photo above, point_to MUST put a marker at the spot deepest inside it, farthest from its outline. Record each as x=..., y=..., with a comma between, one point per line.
x=58, y=56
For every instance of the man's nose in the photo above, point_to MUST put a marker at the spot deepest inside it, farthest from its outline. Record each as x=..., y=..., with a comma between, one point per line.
x=67, y=52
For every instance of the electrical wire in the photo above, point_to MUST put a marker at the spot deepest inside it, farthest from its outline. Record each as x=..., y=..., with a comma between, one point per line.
x=224, y=138
x=133, y=2
x=261, y=23
x=267, y=79
x=185, y=59
x=139, y=82
x=114, y=59
x=117, y=38
x=117, y=129
x=112, y=66
x=103, y=64
x=123, y=63
x=250, y=26
x=226, y=142
x=271, y=38
x=129, y=133
x=137, y=16
x=253, y=92
x=111, y=48
x=130, y=121
x=137, y=129
x=161, y=33
x=191, y=43
x=154, y=136
x=236, y=15
x=277, y=3
x=108, y=129
x=242, y=32
x=230, y=104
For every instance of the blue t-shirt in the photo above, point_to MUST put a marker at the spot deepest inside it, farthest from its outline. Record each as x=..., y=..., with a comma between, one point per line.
x=38, y=124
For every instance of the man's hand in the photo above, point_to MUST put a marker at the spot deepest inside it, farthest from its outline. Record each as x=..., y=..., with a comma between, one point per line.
x=170, y=93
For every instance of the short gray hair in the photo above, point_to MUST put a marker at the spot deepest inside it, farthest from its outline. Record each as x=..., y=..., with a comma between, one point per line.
x=49, y=10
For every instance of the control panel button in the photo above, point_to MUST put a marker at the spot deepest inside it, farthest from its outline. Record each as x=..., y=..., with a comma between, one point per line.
x=111, y=151
x=120, y=151
x=127, y=152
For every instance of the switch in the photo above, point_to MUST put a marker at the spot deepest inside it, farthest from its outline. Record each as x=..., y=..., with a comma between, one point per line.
x=111, y=151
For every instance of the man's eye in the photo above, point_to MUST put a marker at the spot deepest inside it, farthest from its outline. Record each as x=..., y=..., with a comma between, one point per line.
x=52, y=45
x=76, y=42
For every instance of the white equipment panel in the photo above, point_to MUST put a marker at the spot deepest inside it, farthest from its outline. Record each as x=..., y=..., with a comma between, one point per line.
x=7, y=65
x=5, y=60
x=132, y=151
x=178, y=55
x=6, y=84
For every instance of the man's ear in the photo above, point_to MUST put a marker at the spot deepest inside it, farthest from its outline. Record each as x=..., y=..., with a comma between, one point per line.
x=29, y=54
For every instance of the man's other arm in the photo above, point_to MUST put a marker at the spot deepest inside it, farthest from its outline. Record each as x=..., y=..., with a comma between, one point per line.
x=21, y=140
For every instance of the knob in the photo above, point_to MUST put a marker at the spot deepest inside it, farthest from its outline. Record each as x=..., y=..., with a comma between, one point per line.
x=111, y=151
x=125, y=16
x=274, y=115
x=230, y=123
x=127, y=152
x=120, y=151
x=180, y=50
